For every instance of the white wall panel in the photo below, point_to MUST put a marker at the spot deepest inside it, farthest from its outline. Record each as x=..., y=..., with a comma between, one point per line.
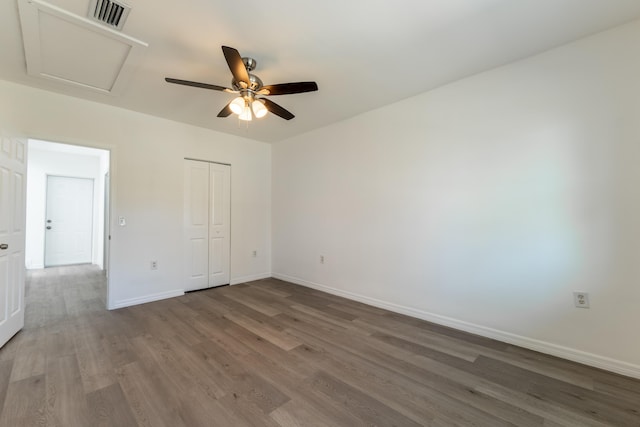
x=485, y=203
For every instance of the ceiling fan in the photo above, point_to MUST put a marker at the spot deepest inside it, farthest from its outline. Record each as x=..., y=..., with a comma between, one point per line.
x=249, y=86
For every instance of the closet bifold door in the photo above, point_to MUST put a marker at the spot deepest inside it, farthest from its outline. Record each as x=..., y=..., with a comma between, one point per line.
x=219, y=230
x=206, y=224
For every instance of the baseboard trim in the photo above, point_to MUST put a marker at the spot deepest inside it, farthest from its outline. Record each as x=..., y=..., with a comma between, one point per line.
x=597, y=361
x=145, y=299
x=250, y=278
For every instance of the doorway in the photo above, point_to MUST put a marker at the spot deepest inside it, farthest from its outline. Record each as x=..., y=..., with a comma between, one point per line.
x=66, y=191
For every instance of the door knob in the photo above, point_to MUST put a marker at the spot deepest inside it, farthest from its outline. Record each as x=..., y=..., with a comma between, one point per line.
x=49, y=221
x=3, y=246
x=48, y=227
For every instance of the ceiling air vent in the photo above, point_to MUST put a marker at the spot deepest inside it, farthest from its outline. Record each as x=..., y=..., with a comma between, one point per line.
x=109, y=13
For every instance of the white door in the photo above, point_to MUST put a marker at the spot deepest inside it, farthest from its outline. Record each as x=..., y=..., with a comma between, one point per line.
x=196, y=224
x=219, y=229
x=207, y=193
x=69, y=221
x=13, y=162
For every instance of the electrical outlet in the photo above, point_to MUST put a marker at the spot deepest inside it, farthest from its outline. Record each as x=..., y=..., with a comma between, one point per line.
x=321, y=259
x=122, y=221
x=255, y=254
x=581, y=299
x=154, y=265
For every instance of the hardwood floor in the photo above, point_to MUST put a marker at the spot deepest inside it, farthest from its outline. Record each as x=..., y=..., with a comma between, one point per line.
x=270, y=353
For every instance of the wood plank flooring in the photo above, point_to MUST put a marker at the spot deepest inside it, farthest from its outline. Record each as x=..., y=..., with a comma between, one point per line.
x=270, y=353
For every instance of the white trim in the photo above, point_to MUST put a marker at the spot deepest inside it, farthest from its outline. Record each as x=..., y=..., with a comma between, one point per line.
x=602, y=362
x=250, y=278
x=145, y=299
x=35, y=267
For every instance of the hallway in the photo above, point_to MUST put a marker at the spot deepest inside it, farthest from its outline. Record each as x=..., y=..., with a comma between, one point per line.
x=59, y=294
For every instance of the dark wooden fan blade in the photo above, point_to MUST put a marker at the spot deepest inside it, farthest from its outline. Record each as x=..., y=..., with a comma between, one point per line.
x=276, y=109
x=225, y=112
x=234, y=60
x=289, y=88
x=196, y=84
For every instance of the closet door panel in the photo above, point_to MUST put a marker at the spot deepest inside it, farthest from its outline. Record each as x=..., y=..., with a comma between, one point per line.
x=219, y=225
x=207, y=215
x=196, y=224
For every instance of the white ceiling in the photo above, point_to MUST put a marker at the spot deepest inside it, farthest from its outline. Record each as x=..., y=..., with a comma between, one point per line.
x=362, y=54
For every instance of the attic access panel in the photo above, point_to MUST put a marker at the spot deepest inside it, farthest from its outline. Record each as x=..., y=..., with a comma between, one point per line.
x=71, y=49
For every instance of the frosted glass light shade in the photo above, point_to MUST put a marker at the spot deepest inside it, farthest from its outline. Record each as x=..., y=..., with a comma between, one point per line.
x=259, y=109
x=246, y=114
x=237, y=105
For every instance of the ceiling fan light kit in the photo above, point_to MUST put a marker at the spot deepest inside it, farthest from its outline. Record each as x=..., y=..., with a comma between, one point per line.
x=248, y=86
x=237, y=105
x=245, y=114
x=258, y=109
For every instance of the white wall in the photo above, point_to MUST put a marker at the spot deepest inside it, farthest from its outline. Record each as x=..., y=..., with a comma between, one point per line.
x=43, y=162
x=147, y=185
x=484, y=204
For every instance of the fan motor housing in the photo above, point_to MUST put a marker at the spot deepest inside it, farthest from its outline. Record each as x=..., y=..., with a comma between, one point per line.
x=255, y=84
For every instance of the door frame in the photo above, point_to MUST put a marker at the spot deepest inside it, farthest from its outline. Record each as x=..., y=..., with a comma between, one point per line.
x=107, y=224
x=111, y=205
